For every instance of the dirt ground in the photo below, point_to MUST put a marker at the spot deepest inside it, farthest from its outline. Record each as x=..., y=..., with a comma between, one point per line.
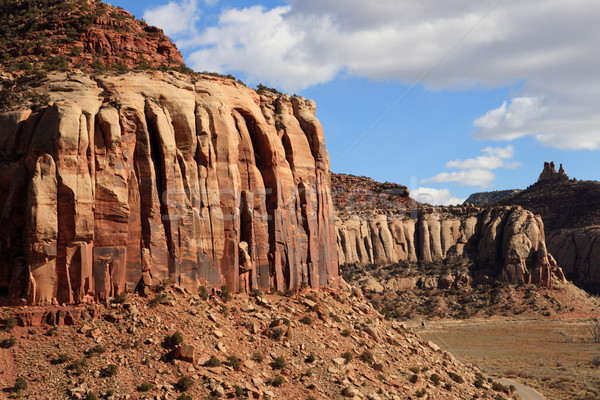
x=552, y=355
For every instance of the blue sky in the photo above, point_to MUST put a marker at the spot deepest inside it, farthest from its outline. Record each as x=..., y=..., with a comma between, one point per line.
x=448, y=98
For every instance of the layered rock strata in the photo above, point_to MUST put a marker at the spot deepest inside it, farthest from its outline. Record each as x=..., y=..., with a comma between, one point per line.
x=198, y=181
x=578, y=251
x=510, y=240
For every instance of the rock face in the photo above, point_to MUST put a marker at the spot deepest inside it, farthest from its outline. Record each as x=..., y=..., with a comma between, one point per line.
x=578, y=251
x=200, y=181
x=511, y=240
x=549, y=173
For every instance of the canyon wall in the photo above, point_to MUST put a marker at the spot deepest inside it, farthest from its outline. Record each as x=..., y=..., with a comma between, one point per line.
x=134, y=178
x=509, y=240
x=578, y=253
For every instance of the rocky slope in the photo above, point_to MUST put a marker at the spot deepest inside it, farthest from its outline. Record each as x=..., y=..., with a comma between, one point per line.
x=484, y=198
x=44, y=35
x=313, y=345
x=199, y=180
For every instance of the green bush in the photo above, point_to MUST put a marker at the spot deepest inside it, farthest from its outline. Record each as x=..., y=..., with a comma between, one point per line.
x=184, y=383
x=234, y=362
x=20, y=384
x=347, y=356
x=310, y=359
x=367, y=357
x=8, y=343
x=109, y=370
x=174, y=340
x=278, y=363
x=97, y=349
x=306, y=320
x=225, y=293
x=455, y=377
x=436, y=379
x=203, y=293
x=184, y=396
x=258, y=357
x=145, y=387
x=275, y=382
x=213, y=362
x=10, y=323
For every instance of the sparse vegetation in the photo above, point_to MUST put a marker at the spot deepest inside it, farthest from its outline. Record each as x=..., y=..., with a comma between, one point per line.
x=109, y=370
x=184, y=383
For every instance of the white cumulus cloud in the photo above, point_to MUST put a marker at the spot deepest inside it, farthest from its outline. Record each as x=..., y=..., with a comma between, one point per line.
x=436, y=197
x=174, y=17
x=478, y=171
x=549, y=46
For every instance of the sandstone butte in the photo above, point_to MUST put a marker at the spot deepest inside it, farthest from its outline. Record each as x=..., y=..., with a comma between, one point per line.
x=200, y=181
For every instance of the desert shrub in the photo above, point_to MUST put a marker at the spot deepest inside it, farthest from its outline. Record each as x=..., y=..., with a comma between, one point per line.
x=145, y=387
x=310, y=359
x=596, y=361
x=414, y=379
x=420, y=393
x=184, y=396
x=239, y=391
x=258, y=357
x=20, y=384
x=225, y=293
x=276, y=333
x=234, y=362
x=448, y=387
x=61, y=359
x=172, y=341
x=276, y=382
x=120, y=299
x=10, y=323
x=499, y=387
x=213, y=362
x=367, y=357
x=184, y=383
x=278, y=363
x=345, y=333
x=97, y=349
x=8, y=343
x=414, y=370
x=159, y=298
x=98, y=66
x=77, y=367
x=455, y=377
x=435, y=378
x=203, y=292
x=306, y=320
x=109, y=370
x=347, y=356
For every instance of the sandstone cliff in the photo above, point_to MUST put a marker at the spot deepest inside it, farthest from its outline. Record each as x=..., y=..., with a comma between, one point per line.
x=579, y=253
x=161, y=175
x=507, y=241
x=571, y=213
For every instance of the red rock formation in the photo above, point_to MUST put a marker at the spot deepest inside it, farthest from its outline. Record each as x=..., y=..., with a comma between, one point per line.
x=161, y=173
x=65, y=34
x=510, y=240
x=549, y=173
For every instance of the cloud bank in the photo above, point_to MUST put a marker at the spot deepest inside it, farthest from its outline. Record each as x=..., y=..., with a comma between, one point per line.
x=477, y=171
x=549, y=45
